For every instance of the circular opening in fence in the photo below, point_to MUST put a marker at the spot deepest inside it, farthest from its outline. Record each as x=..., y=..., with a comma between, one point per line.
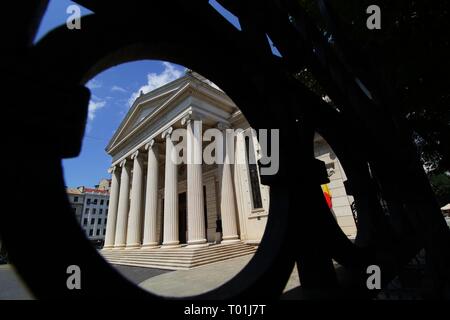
x=167, y=186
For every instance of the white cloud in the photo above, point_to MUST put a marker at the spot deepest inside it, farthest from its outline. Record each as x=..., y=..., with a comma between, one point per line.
x=117, y=88
x=156, y=80
x=94, y=84
x=94, y=106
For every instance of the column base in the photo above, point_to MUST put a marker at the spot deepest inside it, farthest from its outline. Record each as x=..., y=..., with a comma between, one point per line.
x=197, y=244
x=150, y=246
x=119, y=247
x=133, y=246
x=230, y=239
x=171, y=244
x=108, y=247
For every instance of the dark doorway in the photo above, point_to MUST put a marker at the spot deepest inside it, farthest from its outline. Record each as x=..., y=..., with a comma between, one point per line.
x=205, y=211
x=182, y=216
x=182, y=209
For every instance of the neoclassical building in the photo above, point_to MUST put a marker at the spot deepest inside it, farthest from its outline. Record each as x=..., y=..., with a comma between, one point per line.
x=157, y=203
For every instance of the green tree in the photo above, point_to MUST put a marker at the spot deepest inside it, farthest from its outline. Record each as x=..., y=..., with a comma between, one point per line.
x=441, y=187
x=413, y=51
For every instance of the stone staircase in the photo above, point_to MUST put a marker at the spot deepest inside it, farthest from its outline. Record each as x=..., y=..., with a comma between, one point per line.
x=182, y=258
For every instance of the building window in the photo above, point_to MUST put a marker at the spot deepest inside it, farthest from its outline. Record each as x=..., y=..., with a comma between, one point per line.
x=98, y=232
x=91, y=232
x=86, y=211
x=100, y=211
x=92, y=221
x=104, y=231
x=88, y=201
x=95, y=201
x=106, y=220
x=99, y=221
x=102, y=202
x=94, y=211
x=106, y=211
x=254, y=176
x=85, y=221
x=107, y=202
x=75, y=199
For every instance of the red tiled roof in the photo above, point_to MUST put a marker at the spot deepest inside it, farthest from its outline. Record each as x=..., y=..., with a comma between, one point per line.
x=96, y=190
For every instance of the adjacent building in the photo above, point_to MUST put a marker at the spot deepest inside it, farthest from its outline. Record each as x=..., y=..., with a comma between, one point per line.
x=76, y=200
x=95, y=213
x=90, y=206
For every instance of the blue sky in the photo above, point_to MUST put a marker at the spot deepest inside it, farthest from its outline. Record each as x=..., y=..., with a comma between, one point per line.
x=112, y=93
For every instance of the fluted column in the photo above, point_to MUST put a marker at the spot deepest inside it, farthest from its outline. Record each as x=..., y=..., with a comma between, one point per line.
x=226, y=188
x=112, y=209
x=134, y=219
x=195, y=202
x=151, y=197
x=122, y=211
x=171, y=223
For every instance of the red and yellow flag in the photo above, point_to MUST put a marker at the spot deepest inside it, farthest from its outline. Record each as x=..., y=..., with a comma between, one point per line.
x=327, y=195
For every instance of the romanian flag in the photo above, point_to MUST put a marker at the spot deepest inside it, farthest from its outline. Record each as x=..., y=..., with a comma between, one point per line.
x=327, y=195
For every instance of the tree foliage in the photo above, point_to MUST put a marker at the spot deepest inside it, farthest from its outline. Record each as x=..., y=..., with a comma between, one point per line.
x=412, y=50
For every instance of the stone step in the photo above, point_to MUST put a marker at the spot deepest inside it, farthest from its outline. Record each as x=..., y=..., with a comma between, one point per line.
x=196, y=259
x=147, y=265
x=176, y=255
x=183, y=250
x=195, y=256
x=177, y=258
x=197, y=263
x=173, y=265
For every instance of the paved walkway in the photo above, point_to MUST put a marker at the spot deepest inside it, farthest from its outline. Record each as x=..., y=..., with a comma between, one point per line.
x=198, y=280
x=163, y=282
x=138, y=274
x=11, y=286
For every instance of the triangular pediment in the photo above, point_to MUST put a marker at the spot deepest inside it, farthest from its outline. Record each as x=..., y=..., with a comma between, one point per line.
x=142, y=112
x=149, y=107
x=144, y=107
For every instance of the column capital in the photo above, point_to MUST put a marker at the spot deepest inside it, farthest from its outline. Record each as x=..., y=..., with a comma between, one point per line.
x=123, y=163
x=134, y=154
x=112, y=169
x=191, y=116
x=150, y=144
x=223, y=126
x=167, y=133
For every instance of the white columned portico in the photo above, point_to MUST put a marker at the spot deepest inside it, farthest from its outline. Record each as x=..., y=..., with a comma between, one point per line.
x=122, y=211
x=134, y=219
x=195, y=201
x=112, y=209
x=171, y=223
x=151, y=197
x=226, y=189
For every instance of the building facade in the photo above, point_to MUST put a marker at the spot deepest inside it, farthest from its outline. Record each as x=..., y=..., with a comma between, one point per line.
x=95, y=213
x=341, y=203
x=104, y=184
x=156, y=202
x=76, y=200
x=90, y=206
